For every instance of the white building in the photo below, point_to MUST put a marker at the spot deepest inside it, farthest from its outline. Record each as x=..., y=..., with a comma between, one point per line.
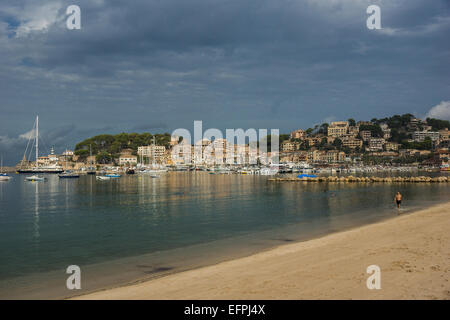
x=152, y=152
x=127, y=159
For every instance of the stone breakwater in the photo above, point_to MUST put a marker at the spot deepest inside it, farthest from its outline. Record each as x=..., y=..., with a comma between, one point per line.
x=366, y=179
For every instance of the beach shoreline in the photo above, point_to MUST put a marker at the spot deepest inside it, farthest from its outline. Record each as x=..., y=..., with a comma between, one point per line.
x=412, y=251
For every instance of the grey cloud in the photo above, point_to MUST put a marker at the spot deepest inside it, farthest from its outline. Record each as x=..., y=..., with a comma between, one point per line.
x=234, y=63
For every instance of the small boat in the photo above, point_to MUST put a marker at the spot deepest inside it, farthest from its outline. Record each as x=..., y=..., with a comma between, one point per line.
x=300, y=176
x=3, y=176
x=35, y=178
x=68, y=175
x=102, y=178
x=130, y=171
x=153, y=171
x=155, y=176
x=268, y=171
x=112, y=175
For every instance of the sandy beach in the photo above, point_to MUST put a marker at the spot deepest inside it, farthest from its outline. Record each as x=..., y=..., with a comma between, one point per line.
x=412, y=251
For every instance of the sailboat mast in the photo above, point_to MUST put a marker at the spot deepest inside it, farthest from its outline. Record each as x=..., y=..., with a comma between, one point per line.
x=37, y=139
x=153, y=153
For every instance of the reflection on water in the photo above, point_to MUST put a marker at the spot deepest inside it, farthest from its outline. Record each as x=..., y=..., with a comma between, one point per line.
x=36, y=212
x=177, y=221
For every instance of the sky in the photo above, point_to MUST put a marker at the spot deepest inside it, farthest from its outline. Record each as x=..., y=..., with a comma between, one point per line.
x=158, y=65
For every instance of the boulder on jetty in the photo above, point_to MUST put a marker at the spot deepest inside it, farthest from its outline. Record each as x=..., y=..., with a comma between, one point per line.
x=420, y=179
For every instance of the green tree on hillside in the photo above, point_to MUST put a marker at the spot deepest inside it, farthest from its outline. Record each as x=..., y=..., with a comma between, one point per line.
x=437, y=124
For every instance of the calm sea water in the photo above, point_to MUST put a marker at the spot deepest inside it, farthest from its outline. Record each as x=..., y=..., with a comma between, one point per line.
x=138, y=227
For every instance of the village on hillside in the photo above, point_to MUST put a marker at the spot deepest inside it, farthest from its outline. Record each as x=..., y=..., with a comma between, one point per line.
x=396, y=141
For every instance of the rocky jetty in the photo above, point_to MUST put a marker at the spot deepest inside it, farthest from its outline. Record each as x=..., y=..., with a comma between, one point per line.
x=349, y=179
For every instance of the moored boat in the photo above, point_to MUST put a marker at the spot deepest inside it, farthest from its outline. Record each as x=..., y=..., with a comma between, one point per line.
x=35, y=178
x=50, y=168
x=3, y=176
x=102, y=178
x=112, y=175
x=68, y=175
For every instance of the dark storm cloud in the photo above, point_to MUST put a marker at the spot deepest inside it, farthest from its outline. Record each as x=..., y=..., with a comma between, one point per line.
x=159, y=65
x=150, y=126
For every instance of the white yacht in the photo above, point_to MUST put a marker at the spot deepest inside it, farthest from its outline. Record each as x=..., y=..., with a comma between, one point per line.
x=50, y=168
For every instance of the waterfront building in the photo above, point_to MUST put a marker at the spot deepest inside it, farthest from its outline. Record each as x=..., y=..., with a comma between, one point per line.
x=153, y=152
x=353, y=130
x=386, y=131
x=444, y=134
x=43, y=161
x=376, y=144
x=314, y=156
x=298, y=134
x=419, y=136
x=351, y=142
x=442, y=156
x=314, y=141
x=363, y=123
x=127, y=159
x=288, y=146
x=413, y=152
x=182, y=154
x=337, y=128
x=391, y=154
x=365, y=135
x=294, y=157
x=391, y=146
x=321, y=156
x=335, y=156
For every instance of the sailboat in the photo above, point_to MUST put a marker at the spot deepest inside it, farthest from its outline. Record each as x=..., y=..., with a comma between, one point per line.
x=3, y=176
x=39, y=169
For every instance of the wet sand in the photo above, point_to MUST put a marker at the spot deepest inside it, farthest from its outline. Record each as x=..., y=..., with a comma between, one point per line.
x=412, y=251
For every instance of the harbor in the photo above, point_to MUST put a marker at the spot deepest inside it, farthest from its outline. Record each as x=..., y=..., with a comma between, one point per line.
x=137, y=228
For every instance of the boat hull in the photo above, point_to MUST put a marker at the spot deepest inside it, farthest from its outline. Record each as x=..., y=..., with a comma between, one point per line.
x=39, y=171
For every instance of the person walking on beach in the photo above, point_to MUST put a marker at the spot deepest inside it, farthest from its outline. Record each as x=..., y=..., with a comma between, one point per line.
x=398, y=199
